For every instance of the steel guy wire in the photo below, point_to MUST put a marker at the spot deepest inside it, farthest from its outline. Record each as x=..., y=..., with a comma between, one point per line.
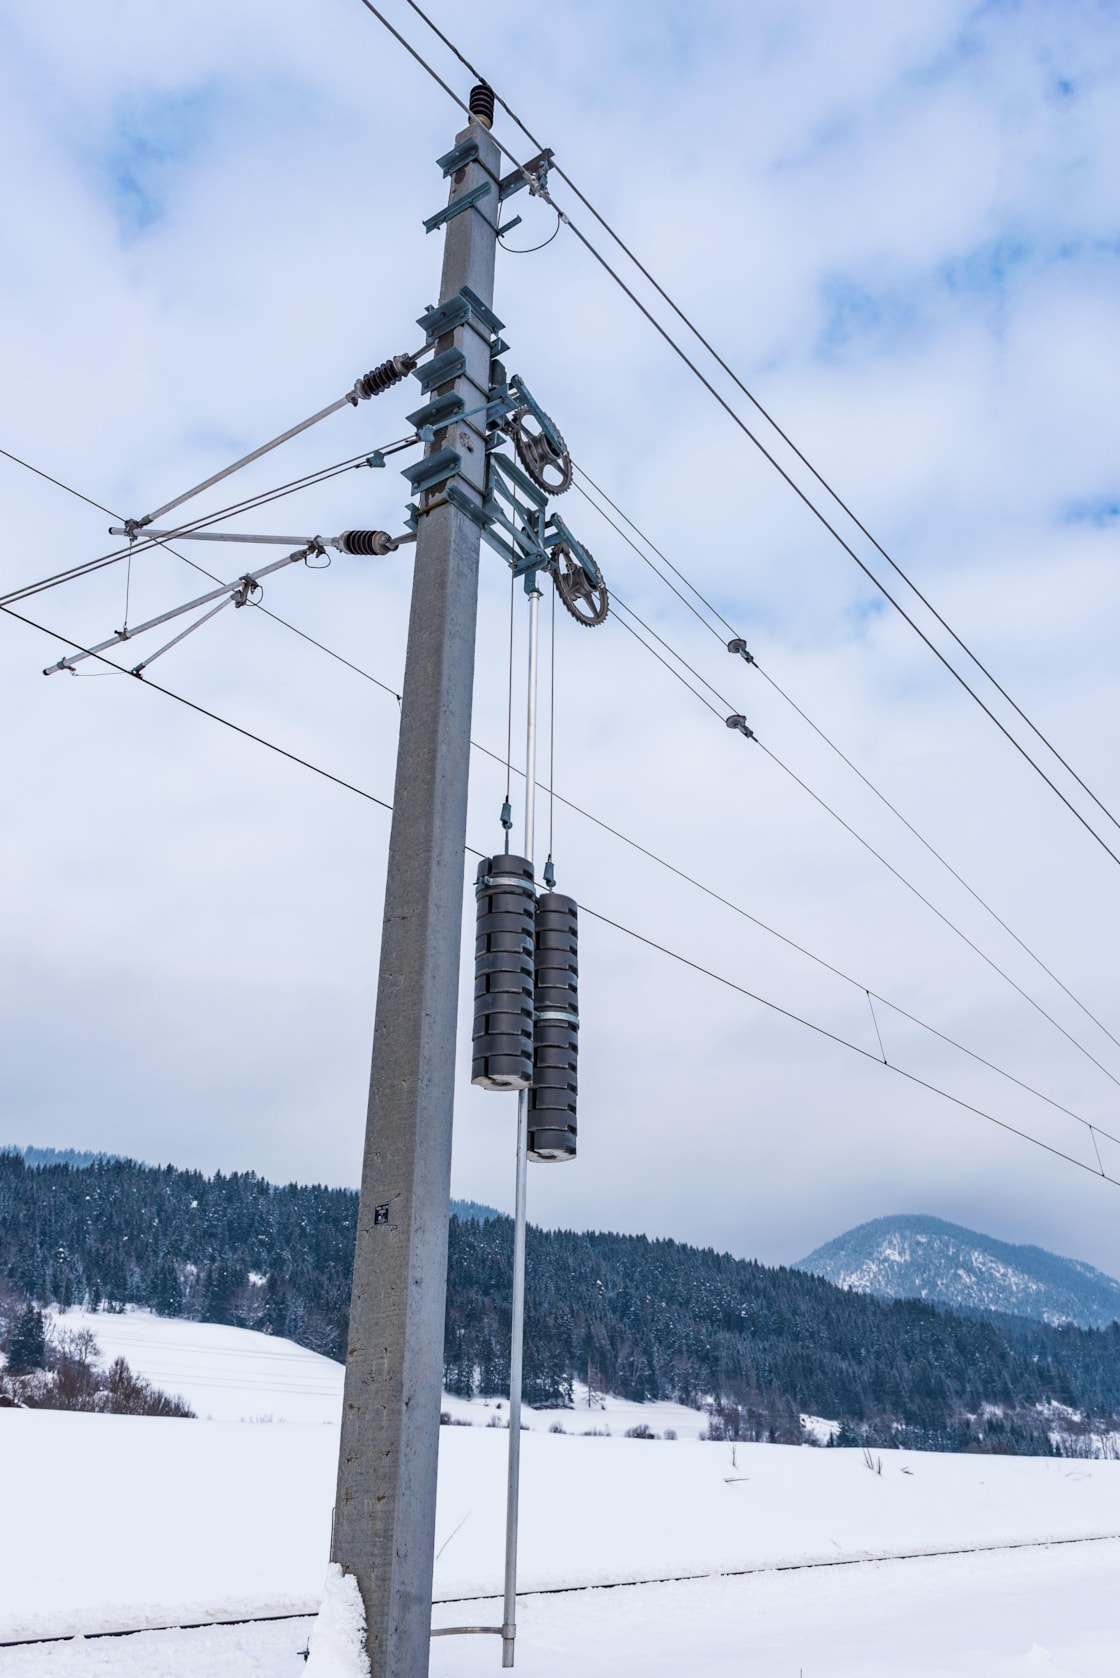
x=994, y=965
x=828, y=741
x=738, y=420
x=597, y=821
x=798, y=1019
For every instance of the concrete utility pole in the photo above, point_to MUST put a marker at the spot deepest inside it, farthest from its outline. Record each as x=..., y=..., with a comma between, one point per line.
x=384, y=1526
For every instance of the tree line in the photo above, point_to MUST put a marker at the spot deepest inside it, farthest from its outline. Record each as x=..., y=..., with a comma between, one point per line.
x=640, y=1318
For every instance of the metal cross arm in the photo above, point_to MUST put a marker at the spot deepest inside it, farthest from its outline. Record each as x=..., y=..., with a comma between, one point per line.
x=236, y=593
x=350, y=541
x=373, y=383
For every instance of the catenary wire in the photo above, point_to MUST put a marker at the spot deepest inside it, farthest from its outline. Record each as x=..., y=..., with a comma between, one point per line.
x=844, y=1042
x=994, y=965
x=828, y=741
x=738, y=420
x=755, y=403
x=798, y=1019
x=192, y=705
x=661, y=861
x=310, y=480
x=214, y=578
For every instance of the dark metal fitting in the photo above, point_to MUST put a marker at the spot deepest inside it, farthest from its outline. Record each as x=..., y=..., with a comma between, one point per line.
x=740, y=723
x=131, y=526
x=367, y=542
x=245, y=589
x=481, y=103
x=382, y=378
x=740, y=646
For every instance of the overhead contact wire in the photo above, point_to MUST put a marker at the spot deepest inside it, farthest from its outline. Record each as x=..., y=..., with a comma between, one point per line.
x=922, y=898
x=674, y=955
x=738, y=420
x=597, y=821
x=828, y=741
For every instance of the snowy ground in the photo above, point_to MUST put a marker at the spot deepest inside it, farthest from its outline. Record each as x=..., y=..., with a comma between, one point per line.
x=149, y=1521
x=1031, y=1614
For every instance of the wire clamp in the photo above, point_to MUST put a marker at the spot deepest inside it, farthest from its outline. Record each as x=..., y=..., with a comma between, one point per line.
x=533, y=174
x=246, y=588
x=740, y=646
x=740, y=722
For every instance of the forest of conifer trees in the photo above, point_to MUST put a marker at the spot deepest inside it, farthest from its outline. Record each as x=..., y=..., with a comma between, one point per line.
x=641, y=1318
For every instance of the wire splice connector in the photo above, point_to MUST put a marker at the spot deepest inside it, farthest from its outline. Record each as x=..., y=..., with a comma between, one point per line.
x=740, y=722
x=738, y=645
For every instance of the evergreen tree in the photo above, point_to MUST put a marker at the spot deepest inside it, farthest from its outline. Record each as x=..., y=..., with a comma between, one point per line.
x=28, y=1348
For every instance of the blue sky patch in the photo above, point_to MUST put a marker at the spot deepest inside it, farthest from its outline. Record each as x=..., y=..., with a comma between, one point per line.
x=1098, y=510
x=151, y=140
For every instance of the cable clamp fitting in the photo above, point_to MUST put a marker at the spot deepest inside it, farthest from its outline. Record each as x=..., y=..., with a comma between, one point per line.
x=242, y=594
x=740, y=722
x=740, y=646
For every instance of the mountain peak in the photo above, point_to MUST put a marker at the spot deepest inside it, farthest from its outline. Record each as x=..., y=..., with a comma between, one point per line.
x=914, y=1256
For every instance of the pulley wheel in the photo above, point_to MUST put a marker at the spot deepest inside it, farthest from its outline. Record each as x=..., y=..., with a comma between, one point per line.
x=587, y=602
x=549, y=470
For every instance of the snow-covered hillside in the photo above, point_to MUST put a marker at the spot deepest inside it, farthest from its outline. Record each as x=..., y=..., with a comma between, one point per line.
x=914, y=1257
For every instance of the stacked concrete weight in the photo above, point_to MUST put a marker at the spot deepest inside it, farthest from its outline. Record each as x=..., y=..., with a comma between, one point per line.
x=504, y=974
x=552, y=1099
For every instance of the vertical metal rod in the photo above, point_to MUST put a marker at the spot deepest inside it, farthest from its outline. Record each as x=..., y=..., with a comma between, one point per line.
x=517, y=1325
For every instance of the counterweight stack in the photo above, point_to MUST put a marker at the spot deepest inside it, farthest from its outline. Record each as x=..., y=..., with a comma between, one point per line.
x=552, y=1099
x=503, y=974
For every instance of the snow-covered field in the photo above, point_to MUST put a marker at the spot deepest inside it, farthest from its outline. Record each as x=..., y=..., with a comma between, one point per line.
x=112, y=1522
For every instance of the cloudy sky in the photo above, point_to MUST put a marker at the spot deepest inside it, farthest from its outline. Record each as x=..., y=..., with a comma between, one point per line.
x=899, y=224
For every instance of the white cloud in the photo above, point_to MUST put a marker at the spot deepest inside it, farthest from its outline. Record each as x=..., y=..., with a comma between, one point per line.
x=899, y=224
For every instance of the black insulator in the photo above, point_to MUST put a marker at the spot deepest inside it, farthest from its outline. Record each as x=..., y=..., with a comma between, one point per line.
x=381, y=378
x=552, y=1099
x=482, y=104
x=366, y=542
x=502, y=1054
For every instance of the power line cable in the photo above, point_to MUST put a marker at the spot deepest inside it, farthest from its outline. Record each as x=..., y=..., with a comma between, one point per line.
x=764, y=926
x=738, y=420
x=828, y=741
x=145, y=544
x=801, y=949
x=798, y=1019
x=258, y=605
x=833, y=1037
x=867, y=845
x=587, y=815
x=192, y=705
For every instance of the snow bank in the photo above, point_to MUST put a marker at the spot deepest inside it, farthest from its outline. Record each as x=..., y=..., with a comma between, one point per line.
x=338, y=1637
